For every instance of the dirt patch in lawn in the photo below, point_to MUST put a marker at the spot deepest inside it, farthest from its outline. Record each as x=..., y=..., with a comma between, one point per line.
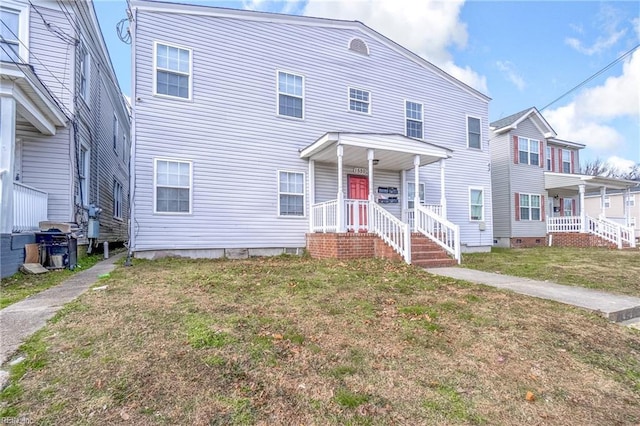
x=298, y=341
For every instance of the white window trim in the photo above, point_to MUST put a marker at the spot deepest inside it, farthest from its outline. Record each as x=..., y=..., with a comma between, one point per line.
x=467, y=124
x=424, y=194
x=476, y=188
x=304, y=194
x=406, y=118
x=155, y=71
x=23, y=26
x=117, y=184
x=155, y=186
x=568, y=201
x=528, y=150
x=631, y=200
x=357, y=100
x=568, y=152
x=86, y=175
x=87, y=94
x=530, y=207
x=607, y=202
x=548, y=160
x=304, y=93
x=116, y=132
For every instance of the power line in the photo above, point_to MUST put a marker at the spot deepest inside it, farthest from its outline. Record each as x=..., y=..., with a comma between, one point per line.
x=606, y=68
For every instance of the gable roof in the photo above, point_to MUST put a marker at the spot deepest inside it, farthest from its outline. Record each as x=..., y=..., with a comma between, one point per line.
x=190, y=9
x=511, y=122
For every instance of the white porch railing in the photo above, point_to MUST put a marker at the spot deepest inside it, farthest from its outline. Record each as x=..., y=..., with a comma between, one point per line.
x=564, y=224
x=435, y=208
x=324, y=217
x=444, y=233
x=29, y=207
x=391, y=230
x=601, y=227
x=356, y=215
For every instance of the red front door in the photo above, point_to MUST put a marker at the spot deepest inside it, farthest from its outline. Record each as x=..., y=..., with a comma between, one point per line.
x=357, y=213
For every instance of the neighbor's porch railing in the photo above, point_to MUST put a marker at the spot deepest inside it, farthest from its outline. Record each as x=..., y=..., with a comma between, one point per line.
x=29, y=207
x=438, y=229
x=601, y=227
x=564, y=224
x=392, y=231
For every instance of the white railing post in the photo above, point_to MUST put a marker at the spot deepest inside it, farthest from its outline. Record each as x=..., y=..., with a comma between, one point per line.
x=340, y=206
x=438, y=229
x=29, y=207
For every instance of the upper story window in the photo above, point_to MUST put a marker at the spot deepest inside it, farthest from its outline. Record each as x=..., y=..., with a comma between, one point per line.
x=476, y=204
x=173, y=71
x=473, y=133
x=290, y=95
x=10, y=32
x=549, y=159
x=290, y=193
x=359, y=100
x=83, y=57
x=173, y=182
x=566, y=161
x=115, y=133
x=413, y=119
x=528, y=151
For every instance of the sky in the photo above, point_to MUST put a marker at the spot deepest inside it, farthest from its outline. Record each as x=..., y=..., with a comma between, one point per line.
x=520, y=53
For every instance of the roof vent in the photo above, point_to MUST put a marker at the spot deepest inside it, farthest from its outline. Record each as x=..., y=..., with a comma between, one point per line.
x=358, y=45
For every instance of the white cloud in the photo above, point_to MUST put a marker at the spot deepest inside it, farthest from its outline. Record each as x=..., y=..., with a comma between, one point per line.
x=510, y=72
x=608, y=21
x=622, y=165
x=427, y=28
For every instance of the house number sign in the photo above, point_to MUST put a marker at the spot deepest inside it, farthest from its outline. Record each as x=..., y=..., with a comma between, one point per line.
x=360, y=171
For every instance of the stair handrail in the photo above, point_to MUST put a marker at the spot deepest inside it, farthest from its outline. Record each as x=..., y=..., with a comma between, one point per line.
x=439, y=230
x=391, y=230
x=624, y=234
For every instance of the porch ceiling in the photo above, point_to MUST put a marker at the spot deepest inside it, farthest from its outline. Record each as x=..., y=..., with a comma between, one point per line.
x=572, y=182
x=393, y=151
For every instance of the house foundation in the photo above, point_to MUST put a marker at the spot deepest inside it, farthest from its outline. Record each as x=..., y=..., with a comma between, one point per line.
x=575, y=239
x=349, y=245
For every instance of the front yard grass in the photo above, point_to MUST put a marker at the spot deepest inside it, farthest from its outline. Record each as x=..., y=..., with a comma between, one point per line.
x=616, y=271
x=292, y=341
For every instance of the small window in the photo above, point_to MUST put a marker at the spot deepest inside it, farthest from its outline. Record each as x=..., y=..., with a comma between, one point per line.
x=568, y=207
x=117, y=199
x=549, y=163
x=411, y=193
x=632, y=221
x=359, y=100
x=528, y=151
x=476, y=204
x=359, y=45
x=115, y=133
x=173, y=71
x=83, y=175
x=414, y=123
x=290, y=95
x=290, y=194
x=631, y=201
x=607, y=202
x=530, y=207
x=473, y=133
x=84, y=71
x=173, y=182
x=10, y=33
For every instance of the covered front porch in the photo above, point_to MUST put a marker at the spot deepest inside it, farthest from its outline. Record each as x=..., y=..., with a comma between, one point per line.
x=370, y=184
x=563, y=186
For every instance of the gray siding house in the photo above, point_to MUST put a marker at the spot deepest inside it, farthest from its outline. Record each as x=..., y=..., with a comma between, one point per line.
x=257, y=133
x=65, y=127
x=537, y=188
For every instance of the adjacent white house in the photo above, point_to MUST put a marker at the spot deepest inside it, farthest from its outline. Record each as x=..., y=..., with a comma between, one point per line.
x=621, y=206
x=538, y=193
x=258, y=133
x=64, y=130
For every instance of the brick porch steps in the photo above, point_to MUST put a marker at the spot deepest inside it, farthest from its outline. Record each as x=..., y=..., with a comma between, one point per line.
x=427, y=254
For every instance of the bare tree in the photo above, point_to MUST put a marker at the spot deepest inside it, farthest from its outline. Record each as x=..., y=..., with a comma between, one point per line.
x=597, y=167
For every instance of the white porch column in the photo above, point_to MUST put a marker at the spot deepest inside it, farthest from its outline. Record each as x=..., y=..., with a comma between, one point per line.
x=583, y=213
x=404, y=200
x=312, y=191
x=603, y=195
x=370, y=156
x=340, y=197
x=416, y=192
x=443, y=197
x=7, y=161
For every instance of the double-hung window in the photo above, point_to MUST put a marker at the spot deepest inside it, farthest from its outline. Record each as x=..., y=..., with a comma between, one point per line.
x=413, y=119
x=566, y=161
x=117, y=199
x=528, y=151
x=568, y=206
x=411, y=194
x=476, y=204
x=83, y=175
x=173, y=186
x=83, y=57
x=359, y=101
x=530, y=208
x=290, y=95
x=173, y=71
x=473, y=133
x=10, y=35
x=115, y=132
x=549, y=159
x=290, y=193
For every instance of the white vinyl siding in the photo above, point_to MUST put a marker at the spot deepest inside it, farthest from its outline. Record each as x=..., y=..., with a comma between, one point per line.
x=173, y=69
x=476, y=204
x=172, y=186
x=117, y=199
x=414, y=125
x=528, y=151
x=290, y=193
x=290, y=95
x=530, y=207
x=411, y=193
x=473, y=133
x=359, y=101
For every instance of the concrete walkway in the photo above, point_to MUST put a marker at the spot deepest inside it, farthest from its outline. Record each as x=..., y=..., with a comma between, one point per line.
x=22, y=319
x=615, y=307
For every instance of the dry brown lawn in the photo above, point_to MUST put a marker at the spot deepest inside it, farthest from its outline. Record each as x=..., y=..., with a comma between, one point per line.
x=291, y=341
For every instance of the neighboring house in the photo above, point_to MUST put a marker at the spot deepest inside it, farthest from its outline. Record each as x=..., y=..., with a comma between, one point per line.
x=537, y=190
x=259, y=133
x=65, y=126
x=619, y=206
